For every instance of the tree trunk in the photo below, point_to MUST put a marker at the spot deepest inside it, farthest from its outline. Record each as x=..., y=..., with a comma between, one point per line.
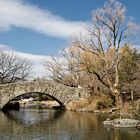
x=118, y=101
x=117, y=92
x=132, y=95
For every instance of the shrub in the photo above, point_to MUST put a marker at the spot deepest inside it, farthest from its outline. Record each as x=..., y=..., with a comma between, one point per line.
x=105, y=103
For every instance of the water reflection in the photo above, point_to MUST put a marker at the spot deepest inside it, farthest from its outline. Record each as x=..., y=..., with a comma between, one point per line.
x=32, y=116
x=57, y=125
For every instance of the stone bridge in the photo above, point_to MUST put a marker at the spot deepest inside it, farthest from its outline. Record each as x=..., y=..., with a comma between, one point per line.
x=61, y=93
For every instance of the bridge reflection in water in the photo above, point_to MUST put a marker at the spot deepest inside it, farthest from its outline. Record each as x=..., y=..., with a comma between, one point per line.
x=59, y=125
x=31, y=117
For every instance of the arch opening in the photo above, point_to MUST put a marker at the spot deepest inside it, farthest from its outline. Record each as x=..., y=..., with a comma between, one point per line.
x=33, y=100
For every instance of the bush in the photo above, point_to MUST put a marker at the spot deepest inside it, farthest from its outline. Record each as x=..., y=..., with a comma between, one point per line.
x=136, y=109
x=105, y=103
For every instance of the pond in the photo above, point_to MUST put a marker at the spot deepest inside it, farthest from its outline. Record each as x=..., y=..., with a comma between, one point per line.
x=33, y=124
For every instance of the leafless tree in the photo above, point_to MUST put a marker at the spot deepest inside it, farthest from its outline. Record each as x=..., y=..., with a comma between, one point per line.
x=55, y=69
x=64, y=69
x=109, y=32
x=12, y=67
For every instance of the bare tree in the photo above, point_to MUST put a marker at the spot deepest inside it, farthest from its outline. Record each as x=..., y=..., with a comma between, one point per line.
x=55, y=69
x=101, y=48
x=64, y=69
x=12, y=67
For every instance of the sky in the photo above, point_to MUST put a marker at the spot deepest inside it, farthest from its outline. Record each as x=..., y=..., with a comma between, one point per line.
x=38, y=29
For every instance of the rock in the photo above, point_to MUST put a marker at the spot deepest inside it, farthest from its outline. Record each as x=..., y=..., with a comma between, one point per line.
x=122, y=122
x=108, y=122
x=12, y=106
x=112, y=110
x=125, y=123
x=97, y=111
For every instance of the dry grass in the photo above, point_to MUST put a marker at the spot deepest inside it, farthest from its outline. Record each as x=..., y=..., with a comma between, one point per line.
x=88, y=104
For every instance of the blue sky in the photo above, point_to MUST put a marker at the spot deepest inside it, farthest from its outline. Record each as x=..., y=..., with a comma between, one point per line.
x=41, y=28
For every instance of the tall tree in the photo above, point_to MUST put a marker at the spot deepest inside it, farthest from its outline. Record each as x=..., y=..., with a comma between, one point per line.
x=110, y=31
x=129, y=68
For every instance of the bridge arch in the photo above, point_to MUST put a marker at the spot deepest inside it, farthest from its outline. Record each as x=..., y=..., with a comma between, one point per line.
x=62, y=93
x=55, y=99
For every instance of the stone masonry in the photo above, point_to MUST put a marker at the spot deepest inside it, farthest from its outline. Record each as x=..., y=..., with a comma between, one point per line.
x=61, y=93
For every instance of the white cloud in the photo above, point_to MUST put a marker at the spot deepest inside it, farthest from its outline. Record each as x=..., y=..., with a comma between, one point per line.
x=37, y=60
x=17, y=13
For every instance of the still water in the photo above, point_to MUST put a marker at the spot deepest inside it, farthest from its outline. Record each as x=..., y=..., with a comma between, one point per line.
x=58, y=125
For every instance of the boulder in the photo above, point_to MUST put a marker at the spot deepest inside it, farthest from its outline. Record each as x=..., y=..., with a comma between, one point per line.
x=122, y=122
